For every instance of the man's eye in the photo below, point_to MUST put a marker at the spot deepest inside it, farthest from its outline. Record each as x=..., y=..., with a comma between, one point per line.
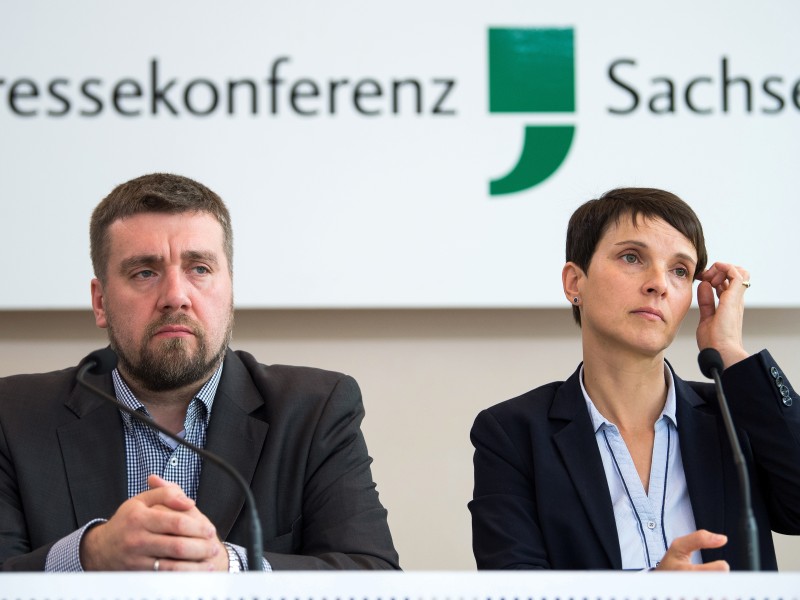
x=145, y=274
x=200, y=270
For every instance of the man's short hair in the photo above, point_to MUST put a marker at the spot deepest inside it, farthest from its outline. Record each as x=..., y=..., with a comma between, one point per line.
x=154, y=193
x=592, y=219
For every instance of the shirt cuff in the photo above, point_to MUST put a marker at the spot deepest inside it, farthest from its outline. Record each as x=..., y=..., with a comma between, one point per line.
x=241, y=552
x=65, y=555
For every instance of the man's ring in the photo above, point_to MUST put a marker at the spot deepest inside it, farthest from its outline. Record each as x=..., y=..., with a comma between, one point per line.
x=746, y=284
x=156, y=565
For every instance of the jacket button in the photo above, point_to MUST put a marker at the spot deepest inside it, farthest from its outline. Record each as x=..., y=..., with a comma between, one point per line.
x=787, y=401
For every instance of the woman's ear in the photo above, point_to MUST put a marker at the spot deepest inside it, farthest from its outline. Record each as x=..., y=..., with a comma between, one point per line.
x=572, y=277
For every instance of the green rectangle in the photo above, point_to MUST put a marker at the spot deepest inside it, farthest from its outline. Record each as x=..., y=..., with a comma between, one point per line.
x=531, y=70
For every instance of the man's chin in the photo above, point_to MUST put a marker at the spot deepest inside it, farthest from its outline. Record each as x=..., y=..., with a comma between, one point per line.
x=168, y=375
x=171, y=342
x=172, y=349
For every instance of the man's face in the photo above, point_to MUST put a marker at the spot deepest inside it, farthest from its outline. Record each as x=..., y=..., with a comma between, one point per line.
x=167, y=301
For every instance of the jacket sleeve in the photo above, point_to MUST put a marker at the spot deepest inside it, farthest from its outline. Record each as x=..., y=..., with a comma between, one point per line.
x=22, y=476
x=343, y=524
x=766, y=408
x=15, y=550
x=505, y=529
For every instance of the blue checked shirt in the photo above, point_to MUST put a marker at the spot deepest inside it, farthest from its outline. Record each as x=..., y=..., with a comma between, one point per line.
x=148, y=451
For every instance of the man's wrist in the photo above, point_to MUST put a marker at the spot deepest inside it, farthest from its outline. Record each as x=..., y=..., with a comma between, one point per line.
x=85, y=555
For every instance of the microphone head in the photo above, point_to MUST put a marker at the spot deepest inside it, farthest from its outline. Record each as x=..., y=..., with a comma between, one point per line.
x=105, y=361
x=710, y=360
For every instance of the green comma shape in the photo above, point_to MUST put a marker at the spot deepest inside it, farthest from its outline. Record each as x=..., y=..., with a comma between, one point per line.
x=544, y=149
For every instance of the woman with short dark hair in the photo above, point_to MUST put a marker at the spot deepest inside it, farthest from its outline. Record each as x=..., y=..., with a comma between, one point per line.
x=625, y=465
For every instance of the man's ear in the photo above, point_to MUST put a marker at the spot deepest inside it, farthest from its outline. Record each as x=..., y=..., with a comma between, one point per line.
x=98, y=304
x=572, y=277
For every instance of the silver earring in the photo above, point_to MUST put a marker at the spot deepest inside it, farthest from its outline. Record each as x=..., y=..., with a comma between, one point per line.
x=575, y=299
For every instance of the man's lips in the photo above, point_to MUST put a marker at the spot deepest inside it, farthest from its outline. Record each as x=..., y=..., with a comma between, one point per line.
x=173, y=331
x=652, y=314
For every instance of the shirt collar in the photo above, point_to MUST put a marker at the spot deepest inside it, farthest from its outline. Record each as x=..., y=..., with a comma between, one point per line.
x=125, y=395
x=668, y=412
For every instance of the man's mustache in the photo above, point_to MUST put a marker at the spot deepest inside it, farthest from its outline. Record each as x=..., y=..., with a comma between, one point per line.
x=179, y=319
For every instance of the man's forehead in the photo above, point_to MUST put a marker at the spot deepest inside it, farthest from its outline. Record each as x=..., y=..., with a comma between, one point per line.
x=153, y=233
x=165, y=224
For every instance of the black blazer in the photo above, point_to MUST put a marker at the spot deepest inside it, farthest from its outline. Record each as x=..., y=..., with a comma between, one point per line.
x=292, y=432
x=541, y=499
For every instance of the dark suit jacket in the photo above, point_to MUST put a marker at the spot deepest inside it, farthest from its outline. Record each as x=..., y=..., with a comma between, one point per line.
x=541, y=499
x=292, y=432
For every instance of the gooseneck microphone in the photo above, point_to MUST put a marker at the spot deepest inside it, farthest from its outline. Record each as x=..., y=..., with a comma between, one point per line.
x=711, y=366
x=104, y=361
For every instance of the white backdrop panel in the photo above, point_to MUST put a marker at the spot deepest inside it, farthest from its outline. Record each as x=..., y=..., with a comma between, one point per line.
x=345, y=209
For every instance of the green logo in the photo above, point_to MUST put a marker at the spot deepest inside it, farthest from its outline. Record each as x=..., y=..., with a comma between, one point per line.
x=533, y=71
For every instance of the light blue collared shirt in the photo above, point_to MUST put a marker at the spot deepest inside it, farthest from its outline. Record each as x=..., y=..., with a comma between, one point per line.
x=646, y=522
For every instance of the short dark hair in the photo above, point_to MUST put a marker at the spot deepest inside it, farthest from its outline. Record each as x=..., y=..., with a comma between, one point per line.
x=593, y=218
x=154, y=193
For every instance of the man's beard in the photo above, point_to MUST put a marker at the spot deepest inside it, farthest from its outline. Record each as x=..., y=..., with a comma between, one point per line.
x=170, y=364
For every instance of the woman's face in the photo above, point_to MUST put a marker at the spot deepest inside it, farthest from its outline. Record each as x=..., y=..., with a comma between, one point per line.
x=638, y=288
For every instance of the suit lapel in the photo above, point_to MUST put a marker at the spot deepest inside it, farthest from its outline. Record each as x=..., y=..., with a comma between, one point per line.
x=235, y=436
x=578, y=447
x=93, y=450
x=701, y=453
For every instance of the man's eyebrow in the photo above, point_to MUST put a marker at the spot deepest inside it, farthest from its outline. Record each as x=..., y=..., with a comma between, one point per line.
x=201, y=256
x=140, y=260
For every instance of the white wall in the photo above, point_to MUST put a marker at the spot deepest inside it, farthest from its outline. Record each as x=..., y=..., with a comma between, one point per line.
x=425, y=374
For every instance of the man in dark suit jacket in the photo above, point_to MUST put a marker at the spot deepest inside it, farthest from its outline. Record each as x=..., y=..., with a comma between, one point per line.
x=78, y=486
x=541, y=497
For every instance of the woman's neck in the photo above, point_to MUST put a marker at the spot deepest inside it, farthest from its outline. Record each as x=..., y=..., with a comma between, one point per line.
x=628, y=392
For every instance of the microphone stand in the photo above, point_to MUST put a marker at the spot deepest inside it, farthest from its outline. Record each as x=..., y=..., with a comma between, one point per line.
x=711, y=364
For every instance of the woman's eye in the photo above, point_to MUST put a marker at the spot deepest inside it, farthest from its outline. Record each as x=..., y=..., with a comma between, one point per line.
x=681, y=272
x=629, y=258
